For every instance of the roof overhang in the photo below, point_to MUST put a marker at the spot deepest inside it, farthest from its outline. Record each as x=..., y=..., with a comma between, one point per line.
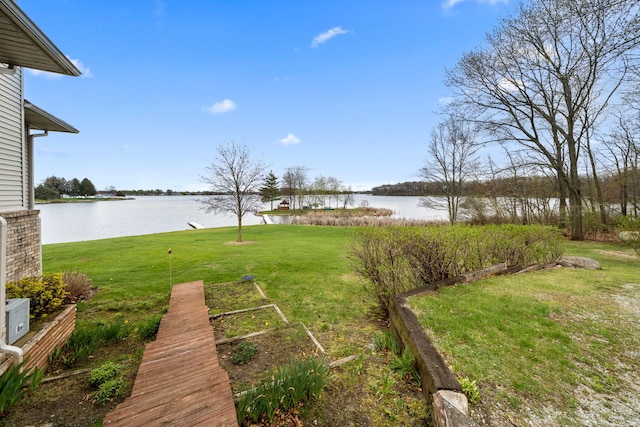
x=37, y=118
x=23, y=44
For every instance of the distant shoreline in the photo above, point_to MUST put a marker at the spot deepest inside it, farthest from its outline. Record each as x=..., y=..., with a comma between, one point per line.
x=82, y=200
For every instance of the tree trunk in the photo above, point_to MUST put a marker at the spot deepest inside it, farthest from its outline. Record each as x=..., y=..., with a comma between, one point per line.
x=239, y=228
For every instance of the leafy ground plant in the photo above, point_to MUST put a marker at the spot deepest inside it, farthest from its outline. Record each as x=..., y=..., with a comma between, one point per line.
x=15, y=383
x=244, y=352
x=103, y=373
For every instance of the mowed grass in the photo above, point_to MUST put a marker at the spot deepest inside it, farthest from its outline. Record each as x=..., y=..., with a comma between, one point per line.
x=552, y=339
x=302, y=269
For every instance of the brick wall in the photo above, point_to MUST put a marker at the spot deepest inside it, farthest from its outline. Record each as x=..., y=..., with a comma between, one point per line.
x=23, y=244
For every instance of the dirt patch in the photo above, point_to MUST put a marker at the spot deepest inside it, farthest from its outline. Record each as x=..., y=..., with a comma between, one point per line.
x=245, y=242
x=276, y=347
x=68, y=401
x=618, y=254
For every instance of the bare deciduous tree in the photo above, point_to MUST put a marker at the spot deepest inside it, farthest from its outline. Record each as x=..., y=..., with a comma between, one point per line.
x=233, y=178
x=546, y=76
x=452, y=160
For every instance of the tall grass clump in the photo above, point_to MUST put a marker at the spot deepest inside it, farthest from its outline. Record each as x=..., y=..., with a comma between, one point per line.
x=85, y=340
x=393, y=260
x=15, y=383
x=78, y=286
x=282, y=389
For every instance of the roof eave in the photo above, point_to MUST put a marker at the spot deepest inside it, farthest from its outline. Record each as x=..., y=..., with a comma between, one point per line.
x=19, y=18
x=48, y=122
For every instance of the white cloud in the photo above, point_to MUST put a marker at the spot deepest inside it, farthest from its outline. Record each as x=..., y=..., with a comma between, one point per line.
x=446, y=100
x=221, y=107
x=289, y=139
x=448, y=4
x=324, y=37
x=86, y=71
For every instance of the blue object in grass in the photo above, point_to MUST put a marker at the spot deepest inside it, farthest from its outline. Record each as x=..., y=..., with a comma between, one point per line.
x=247, y=278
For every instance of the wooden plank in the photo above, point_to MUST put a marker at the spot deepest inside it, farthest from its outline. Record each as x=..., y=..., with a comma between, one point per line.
x=179, y=381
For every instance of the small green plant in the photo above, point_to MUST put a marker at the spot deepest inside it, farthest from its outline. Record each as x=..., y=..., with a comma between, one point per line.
x=115, y=331
x=79, y=346
x=470, y=389
x=244, y=352
x=15, y=383
x=148, y=328
x=384, y=385
x=109, y=391
x=104, y=373
x=283, y=389
x=385, y=340
x=405, y=365
x=46, y=293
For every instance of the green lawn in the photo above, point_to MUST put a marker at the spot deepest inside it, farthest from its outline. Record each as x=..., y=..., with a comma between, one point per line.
x=303, y=269
x=555, y=342
x=555, y=339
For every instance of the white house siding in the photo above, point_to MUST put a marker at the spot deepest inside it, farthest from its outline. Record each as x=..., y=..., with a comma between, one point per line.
x=13, y=161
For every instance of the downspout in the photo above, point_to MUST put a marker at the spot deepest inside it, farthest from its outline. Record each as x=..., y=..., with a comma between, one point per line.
x=32, y=196
x=16, y=352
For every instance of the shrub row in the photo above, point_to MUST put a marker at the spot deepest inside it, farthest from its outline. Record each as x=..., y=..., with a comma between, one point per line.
x=49, y=291
x=393, y=260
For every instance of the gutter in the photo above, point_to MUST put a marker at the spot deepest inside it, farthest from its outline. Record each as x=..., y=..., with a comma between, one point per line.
x=16, y=352
x=31, y=189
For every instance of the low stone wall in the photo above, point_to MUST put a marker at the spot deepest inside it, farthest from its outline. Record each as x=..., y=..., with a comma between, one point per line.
x=439, y=384
x=38, y=348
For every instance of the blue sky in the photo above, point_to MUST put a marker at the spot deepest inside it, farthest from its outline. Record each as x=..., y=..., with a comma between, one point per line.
x=346, y=88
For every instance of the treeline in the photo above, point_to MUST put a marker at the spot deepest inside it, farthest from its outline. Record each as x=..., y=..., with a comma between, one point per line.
x=300, y=191
x=55, y=187
x=611, y=189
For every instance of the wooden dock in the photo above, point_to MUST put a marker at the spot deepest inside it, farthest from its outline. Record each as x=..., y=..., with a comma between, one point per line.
x=179, y=382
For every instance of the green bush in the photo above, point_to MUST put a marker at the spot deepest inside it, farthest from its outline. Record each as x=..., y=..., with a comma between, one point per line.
x=104, y=373
x=243, y=353
x=47, y=293
x=393, y=260
x=15, y=383
x=283, y=389
x=630, y=232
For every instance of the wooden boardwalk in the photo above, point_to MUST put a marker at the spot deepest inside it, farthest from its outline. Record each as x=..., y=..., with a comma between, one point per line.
x=179, y=382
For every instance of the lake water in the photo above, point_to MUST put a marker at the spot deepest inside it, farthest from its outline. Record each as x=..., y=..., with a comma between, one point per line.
x=73, y=222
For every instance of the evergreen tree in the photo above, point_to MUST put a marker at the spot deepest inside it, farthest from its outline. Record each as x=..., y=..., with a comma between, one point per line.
x=270, y=190
x=75, y=187
x=87, y=188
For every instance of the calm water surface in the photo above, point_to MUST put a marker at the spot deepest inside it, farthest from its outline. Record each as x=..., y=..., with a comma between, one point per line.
x=73, y=222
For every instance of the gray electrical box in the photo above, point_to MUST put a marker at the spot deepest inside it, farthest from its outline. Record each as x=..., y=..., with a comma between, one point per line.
x=17, y=318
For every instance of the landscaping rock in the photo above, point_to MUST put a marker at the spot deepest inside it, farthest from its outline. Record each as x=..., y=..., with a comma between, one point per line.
x=628, y=236
x=579, y=262
x=451, y=409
